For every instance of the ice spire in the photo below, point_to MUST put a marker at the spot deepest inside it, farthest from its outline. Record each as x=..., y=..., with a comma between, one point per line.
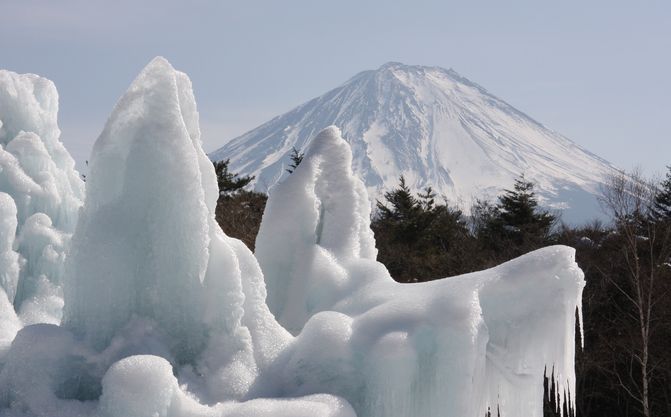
x=323, y=209
x=451, y=347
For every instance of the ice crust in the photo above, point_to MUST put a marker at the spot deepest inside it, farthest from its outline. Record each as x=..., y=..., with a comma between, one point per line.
x=164, y=315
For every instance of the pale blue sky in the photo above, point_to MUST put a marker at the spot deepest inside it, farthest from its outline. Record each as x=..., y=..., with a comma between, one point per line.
x=598, y=72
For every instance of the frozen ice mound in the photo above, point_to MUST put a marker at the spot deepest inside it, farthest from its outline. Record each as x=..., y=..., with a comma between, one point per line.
x=37, y=174
x=147, y=248
x=145, y=386
x=322, y=214
x=453, y=347
x=164, y=315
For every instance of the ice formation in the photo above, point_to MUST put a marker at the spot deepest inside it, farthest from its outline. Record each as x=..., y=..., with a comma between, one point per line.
x=328, y=224
x=38, y=175
x=497, y=329
x=166, y=316
x=149, y=257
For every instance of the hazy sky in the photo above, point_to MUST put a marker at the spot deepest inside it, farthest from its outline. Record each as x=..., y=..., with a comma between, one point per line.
x=598, y=72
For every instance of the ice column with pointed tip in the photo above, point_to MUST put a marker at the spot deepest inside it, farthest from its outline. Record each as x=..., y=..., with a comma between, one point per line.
x=141, y=245
x=147, y=245
x=323, y=210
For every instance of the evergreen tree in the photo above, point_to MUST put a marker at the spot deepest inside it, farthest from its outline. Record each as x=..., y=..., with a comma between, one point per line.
x=661, y=206
x=228, y=182
x=238, y=211
x=296, y=158
x=518, y=210
x=400, y=203
x=427, y=199
x=419, y=239
x=515, y=225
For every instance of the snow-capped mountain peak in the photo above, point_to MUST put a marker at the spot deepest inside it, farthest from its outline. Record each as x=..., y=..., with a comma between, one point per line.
x=434, y=127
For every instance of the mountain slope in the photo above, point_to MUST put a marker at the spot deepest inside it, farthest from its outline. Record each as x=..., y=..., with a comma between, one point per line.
x=436, y=128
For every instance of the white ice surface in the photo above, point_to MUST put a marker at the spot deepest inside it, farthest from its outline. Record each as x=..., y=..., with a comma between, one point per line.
x=322, y=212
x=9, y=259
x=450, y=347
x=147, y=245
x=166, y=316
x=38, y=174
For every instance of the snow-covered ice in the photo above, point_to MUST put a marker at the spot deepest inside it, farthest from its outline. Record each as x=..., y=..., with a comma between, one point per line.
x=164, y=315
x=402, y=349
x=9, y=258
x=148, y=255
x=38, y=175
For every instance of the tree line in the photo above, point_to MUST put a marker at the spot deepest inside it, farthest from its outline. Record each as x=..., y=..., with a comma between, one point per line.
x=624, y=368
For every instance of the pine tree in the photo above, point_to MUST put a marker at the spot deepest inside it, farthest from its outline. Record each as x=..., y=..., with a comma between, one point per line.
x=419, y=239
x=402, y=206
x=238, y=211
x=296, y=158
x=518, y=209
x=228, y=182
x=515, y=225
x=661, y=206
x=427, y=199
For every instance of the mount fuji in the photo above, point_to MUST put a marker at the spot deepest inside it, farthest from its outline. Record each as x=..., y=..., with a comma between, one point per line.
x=436, y=128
